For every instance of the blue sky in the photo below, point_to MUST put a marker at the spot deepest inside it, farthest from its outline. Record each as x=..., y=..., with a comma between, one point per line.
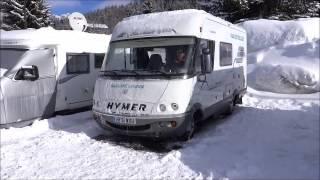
x=59, y=7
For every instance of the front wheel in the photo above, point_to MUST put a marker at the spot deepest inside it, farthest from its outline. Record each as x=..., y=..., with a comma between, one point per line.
x=188, y=134
x=230, y=107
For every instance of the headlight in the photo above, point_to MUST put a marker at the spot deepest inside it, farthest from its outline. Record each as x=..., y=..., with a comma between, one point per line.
x=174, y=106
x=162, y=107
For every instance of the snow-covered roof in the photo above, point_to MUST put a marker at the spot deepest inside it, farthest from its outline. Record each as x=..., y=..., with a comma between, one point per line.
x=170, y=23
x=69, y=40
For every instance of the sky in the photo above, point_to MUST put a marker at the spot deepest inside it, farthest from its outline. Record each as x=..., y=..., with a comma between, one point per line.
x=59, y=7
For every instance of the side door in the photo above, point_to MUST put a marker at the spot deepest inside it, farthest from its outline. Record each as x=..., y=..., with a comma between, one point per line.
x=77, y=83
x=225, y=69
x=28, y=98
x=207, y=89
x=76, y=88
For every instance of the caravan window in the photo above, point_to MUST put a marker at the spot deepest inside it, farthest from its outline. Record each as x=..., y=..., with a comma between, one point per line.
x=98, y=59
x=77, y=63
x=225, y=54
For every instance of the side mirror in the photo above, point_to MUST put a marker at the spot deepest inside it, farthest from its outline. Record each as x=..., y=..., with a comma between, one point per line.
x=206, y=63
x=29, y=73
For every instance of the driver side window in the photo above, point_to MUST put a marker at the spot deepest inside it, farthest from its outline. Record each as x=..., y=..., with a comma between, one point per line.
x=202, y=45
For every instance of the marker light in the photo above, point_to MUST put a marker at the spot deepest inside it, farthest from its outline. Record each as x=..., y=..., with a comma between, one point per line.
x=174, y=106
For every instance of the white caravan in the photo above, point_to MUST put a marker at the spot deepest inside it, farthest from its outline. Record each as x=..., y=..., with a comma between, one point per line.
x=44, y=71
x=144, y=89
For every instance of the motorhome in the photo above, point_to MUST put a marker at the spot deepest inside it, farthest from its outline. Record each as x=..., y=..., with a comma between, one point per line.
x=45, y=71
x=166, y=71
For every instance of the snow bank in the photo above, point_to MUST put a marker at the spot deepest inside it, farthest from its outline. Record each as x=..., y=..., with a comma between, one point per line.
x=283, y=56
x=284, y=79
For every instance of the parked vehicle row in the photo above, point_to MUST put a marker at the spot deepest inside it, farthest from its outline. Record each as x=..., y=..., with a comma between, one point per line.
x=163, y=73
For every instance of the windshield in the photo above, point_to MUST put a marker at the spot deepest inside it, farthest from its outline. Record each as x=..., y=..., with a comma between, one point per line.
x=9, y=58
x=150, y=56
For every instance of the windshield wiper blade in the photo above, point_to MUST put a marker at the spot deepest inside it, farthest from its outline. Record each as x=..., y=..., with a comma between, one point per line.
x=112, y=72
x=121, y=71
x=159, y=71
x=129, y=71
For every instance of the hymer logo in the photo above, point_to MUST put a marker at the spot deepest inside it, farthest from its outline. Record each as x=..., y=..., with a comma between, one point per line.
x=126, y=106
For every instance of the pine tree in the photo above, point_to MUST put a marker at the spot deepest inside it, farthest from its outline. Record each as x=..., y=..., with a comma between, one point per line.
x=22, y=14
x=147, y=7
x=214, y=7
x=11, y=15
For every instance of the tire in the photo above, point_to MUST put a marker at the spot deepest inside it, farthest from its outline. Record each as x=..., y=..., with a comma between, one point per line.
x=188, y=134
x=230, y=107
x=238, y=100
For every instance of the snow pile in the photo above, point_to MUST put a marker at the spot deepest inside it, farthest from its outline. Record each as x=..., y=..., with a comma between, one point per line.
x=285, y=79
x=264, y=33
x=283, y=56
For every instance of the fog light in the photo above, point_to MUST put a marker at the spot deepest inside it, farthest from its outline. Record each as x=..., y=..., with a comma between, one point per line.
x=162, y=124
x=162, y=107
x=173, y=123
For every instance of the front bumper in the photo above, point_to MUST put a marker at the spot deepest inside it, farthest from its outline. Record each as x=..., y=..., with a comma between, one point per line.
x=149, y=126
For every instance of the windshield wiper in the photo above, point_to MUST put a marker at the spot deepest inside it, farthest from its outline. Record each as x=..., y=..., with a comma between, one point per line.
x=129, y=71
x=118, y=72
x=111, y=72
x=159, y=71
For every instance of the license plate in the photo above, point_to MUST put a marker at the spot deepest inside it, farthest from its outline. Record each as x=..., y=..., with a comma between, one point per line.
x=124, y=120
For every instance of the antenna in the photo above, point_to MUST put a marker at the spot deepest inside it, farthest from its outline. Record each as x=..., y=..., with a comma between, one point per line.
x=77, y=21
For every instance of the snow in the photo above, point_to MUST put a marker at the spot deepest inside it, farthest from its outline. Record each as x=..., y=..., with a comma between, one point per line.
x=264, y=33
x=266, y=137
x=71, y=41
x=274, y=134
x=283, y=57
x=176, y=23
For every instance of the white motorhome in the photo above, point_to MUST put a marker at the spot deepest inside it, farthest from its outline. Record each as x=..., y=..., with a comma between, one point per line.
x=44, y=71
x=144, y=90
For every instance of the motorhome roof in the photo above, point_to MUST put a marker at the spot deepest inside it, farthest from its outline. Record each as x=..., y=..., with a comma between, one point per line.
x=69, y=40
x=170, y=23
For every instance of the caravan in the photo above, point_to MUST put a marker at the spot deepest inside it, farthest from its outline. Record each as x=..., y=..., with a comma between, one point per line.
x=166, y=71
x=44, y=71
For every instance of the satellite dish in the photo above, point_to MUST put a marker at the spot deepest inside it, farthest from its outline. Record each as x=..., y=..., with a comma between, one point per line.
x=77, y=21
